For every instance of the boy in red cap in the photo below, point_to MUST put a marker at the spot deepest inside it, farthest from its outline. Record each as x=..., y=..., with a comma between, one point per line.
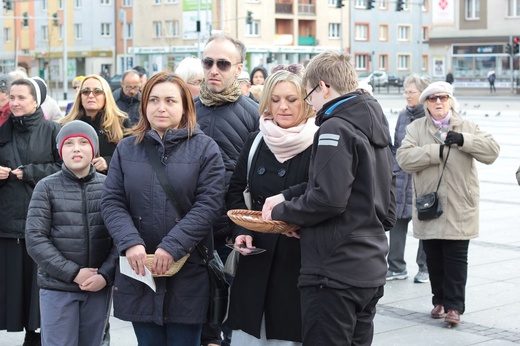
x=66, y=237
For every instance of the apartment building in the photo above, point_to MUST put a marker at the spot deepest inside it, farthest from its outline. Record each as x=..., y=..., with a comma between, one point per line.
x=470, y=37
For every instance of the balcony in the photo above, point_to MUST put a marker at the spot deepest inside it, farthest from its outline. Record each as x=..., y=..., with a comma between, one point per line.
x=306, y=41
x=307, y=9
x=283, y=8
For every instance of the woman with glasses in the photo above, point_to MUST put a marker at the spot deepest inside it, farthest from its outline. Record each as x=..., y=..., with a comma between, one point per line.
x=95, y=105
x=190, y=70
x=76, y=84
x=440, y=150
x=264, y=298
x=28, y=154
x=413, y=87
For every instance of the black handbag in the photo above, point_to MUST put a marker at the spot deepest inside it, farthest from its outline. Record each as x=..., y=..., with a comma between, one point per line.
x=428, y=206
x=219, y=293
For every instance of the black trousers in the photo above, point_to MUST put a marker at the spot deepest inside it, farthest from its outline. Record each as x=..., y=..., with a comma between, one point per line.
x=448, y=267
x=338, y=316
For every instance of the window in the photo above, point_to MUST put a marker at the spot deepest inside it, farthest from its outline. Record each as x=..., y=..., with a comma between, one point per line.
x=332, y=3
x=425, y=34
x=44, y=5
x=360, y=3
x=424, y=5
x=362, y=62
x=105, y=2
x=129, y=30
x=383, y=62
x=472, y=9
x=172, y=28
x=128, y=3
x=157, y=2
x=78, y=34
x=60, y=5
x=405, y=5
x=45, y=33
x=171, y=1
x=105, y=29
x=383, y=32
x=7, y=34
x=334, y=30
x=383, y=4
x=157, y=29
x=403, y=33
x=253, y=29
x=513, y=8
x=424, y=65
x=403, y=62
x=361, y=32
x=60, y=31
x=77, y=4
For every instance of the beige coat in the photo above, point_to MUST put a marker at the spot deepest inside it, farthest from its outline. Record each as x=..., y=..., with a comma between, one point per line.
x=459, y=189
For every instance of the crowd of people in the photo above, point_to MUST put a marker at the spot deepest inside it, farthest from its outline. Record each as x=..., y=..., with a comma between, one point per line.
x=144, y=176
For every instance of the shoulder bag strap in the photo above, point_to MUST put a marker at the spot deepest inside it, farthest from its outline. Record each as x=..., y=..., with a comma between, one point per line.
x=252, y=152
x=167, y=188
x=442, y=173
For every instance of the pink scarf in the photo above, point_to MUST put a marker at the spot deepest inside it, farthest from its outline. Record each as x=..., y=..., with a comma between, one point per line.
x=444, y=122
x=287, y=143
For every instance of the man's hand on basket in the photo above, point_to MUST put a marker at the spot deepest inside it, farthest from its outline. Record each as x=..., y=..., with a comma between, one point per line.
x=269, y=204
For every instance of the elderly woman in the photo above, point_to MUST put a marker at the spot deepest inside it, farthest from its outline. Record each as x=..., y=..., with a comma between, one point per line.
x=190, y=70
x=265, y=301
x=414, y=85
x=95, y=105
x=446, y=162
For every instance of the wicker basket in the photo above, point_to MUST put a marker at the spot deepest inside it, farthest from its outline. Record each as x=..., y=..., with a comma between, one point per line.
x=176, y=266
x=252, y=220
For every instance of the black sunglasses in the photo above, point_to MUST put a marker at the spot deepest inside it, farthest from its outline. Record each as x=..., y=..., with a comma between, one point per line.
x=293, y=68
x=96, y=92
x=433, y=98
x=222, y=65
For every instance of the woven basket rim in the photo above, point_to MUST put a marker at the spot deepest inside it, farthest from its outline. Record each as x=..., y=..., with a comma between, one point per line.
x=252, y=220
x=174, y=269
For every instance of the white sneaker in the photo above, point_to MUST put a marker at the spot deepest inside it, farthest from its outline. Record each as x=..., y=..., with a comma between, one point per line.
x=421, y=278
x=396, y=275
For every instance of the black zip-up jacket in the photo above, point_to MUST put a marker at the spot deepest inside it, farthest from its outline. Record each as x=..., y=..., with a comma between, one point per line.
x=28, y=141
x=129, y=105
x=349, y=200
x=65, y=231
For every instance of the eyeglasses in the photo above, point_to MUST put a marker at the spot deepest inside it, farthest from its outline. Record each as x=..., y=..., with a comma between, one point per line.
x=293, y=68
x=433, y=98
x=129, y=87
x=96, y=92
x=308, y=98
x=406, y=93
x=195, y=82
x=222, y=65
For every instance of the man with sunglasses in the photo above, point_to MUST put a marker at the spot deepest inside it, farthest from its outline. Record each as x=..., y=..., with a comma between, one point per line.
x=228, y=117
x=128, y=97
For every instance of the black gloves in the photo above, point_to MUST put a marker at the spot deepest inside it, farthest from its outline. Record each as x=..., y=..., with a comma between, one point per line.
x=454, y=138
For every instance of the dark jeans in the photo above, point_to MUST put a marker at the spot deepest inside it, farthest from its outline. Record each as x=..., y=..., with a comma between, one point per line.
x=170, y=334
x=396, y=262
x=448, y=266
x=338, y=316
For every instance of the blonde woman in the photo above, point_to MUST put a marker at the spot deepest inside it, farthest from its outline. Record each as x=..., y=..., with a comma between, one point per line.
x=95, y=105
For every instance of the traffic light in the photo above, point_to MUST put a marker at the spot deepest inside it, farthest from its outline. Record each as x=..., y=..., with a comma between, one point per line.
x=249, y=18
x=25, y=19
x=339, y=3
x=507, y=48
x=55, y=19
x=8, y=5
x=516, y=41
x=399, y=6
x=370, y=4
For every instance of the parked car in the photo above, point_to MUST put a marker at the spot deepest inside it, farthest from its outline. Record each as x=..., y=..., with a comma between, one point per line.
x=115, y=82
x=394, y=80
x=375, y=79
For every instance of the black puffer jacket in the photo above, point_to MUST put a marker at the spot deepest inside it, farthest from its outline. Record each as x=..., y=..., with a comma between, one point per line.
x=65, y=230
x=129, y=105
x=229, y=125
x=28, y=141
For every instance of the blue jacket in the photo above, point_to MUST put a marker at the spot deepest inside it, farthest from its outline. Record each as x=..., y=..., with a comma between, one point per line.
x=403, y=182
x=136, y=211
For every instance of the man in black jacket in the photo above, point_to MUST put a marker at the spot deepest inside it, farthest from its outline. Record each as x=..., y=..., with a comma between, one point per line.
x=227, y=116
x=343, y=210
x=128, y=97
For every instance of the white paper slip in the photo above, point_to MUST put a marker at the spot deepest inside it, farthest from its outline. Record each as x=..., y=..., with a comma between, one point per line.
x=127, y=270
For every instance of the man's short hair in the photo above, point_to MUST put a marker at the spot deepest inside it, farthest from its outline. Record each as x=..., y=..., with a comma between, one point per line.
x=239, y=45
x=335, y=69
x=140, y=70
x=127, y=72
